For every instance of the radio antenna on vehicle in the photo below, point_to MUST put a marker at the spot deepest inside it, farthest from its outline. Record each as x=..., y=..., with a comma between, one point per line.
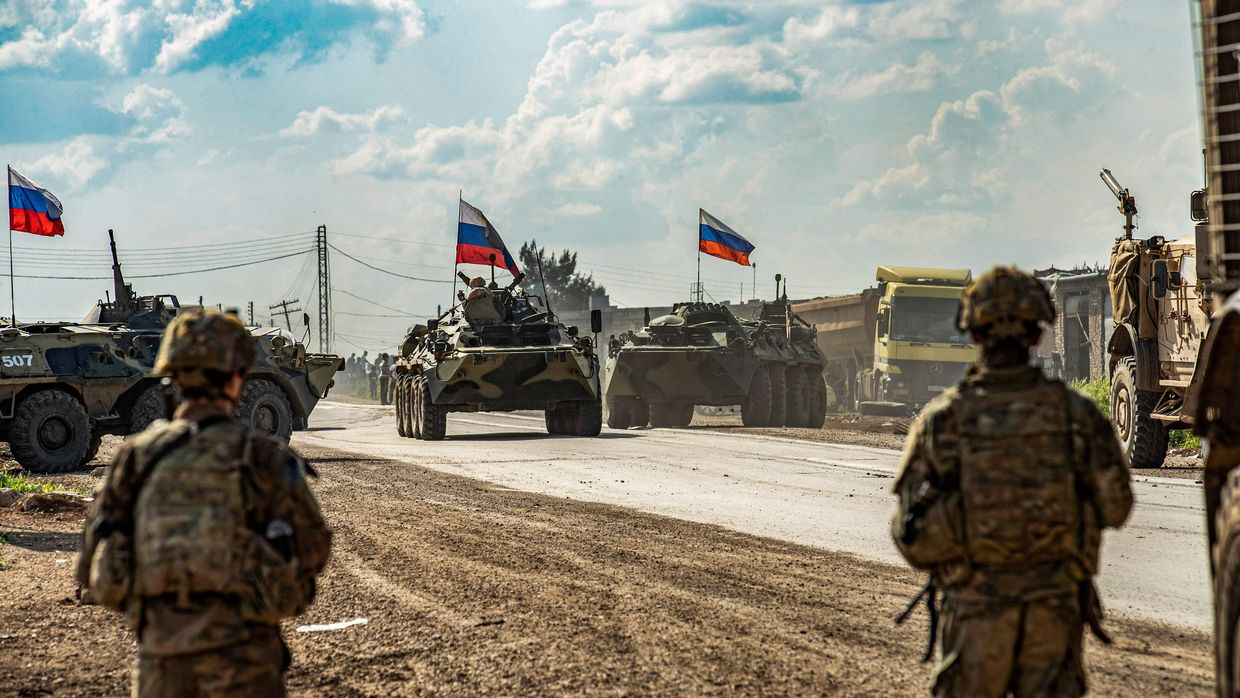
x=543, y=280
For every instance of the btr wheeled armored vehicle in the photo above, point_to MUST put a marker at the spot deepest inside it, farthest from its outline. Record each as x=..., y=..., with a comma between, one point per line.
x=498, y=350
x=64, y=385
x=702, y=354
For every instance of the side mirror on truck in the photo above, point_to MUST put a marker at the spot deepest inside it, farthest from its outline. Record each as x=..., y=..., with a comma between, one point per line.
x=883, y=322
x=1160, y=278
x=1197, y=209
x=596, y=321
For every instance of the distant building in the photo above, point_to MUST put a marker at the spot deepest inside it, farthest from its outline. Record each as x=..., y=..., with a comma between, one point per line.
x=1075, y=347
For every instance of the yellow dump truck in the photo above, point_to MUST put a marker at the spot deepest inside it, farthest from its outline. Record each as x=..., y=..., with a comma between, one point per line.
x=893, y=348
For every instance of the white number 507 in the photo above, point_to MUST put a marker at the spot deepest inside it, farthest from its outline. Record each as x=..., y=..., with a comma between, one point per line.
x=17, y=360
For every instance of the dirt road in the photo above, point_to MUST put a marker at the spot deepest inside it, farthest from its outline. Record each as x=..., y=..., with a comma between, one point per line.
x=831, y=496
x=473, y=589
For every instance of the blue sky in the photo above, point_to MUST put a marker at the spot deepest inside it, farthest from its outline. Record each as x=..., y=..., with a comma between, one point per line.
x=836, y=136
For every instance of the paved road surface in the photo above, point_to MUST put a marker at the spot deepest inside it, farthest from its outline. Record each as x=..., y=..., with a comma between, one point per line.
x=831, y=496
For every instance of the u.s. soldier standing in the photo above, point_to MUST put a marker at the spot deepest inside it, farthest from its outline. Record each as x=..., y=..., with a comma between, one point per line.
x=205, y=534
x=1006, y=484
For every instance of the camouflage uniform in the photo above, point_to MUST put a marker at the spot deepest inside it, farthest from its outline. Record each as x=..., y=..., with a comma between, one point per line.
x=205, y=535
x=1006, y=484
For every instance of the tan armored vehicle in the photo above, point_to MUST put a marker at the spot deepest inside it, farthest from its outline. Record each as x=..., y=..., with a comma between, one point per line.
x=1161, y=312
x=500, y=350
x=64, y=385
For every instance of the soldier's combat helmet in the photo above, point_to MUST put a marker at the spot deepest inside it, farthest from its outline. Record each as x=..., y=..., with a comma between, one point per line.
x=1005, y=303
x=201, y=342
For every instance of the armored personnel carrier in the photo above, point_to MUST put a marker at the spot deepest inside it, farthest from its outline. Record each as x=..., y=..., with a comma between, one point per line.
x=499, y=350
x=702, y=354
x=64, y=385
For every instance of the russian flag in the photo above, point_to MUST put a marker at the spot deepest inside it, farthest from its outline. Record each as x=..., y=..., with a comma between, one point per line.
x=718, y=240
x=32, y=209
x=477, y=240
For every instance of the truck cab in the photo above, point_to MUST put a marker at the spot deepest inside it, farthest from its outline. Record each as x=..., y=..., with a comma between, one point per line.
x=918, y=350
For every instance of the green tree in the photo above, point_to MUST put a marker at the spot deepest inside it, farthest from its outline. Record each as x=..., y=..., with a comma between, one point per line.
x=567, y=290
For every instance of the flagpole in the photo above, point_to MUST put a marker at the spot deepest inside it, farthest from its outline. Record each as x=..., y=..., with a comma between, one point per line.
x=699, y=258
x=460, y=198
x=12, y=288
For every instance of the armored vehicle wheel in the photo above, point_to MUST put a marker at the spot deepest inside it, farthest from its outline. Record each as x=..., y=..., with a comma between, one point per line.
x=620, y=412
x=779, y=395
x=151, y=405
x=818, y=393
x=756, y=412
x=50, y=432
x=588, y=418
x=432, y=423
x=671, y=414
x=408, y=408
x=1226, y=559
x=402, y=427
x=266, y=408
x=413, y=407
x=560, y=420
x=799, y=399
x=1143, y=438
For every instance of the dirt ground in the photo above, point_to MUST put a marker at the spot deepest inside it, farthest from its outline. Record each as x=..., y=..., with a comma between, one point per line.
x=471, y=589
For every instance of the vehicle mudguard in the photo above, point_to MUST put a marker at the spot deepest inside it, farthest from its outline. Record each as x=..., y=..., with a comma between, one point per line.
x=1125, y=342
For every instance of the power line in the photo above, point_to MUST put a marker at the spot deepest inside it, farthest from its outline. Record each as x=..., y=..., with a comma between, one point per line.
x=402, y=242
x=155, y=276
x=385, y=271
x=367, y=300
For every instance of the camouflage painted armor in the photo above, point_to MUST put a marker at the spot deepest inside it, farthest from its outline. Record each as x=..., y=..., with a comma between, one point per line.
x=1005, y=486
x=224, y=538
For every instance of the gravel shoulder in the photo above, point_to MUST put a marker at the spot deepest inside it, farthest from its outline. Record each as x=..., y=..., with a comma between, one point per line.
x=472, y=589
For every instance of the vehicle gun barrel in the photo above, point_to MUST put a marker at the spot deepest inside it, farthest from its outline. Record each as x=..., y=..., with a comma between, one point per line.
x=1127, y=202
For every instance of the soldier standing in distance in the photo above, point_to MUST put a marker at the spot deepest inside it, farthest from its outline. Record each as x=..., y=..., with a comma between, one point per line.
x=205, y=533
x=384, y=367
x=1006, y=484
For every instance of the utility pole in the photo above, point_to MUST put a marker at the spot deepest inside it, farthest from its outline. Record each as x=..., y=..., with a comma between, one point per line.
x=251, y=313
x=325, y=292
x=283, y=308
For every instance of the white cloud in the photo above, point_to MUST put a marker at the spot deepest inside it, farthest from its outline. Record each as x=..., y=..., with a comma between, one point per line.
x=919, y=77
x=915, y=19
x=407, y=20
x=578, y=210
x=961, y=160
x=189, y=29
x=1027, y=7
x=309, y=123
x=76, y=164
x=1088, y=11
x=830, y=21
x=546, y=4
x=160, y=115
x=31, y=49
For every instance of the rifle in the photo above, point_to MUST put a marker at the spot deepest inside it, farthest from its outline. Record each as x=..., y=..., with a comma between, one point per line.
x=929, y=593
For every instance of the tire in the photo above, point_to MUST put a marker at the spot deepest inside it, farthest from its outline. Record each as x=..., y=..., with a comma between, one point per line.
x=818, y=402
x=266, y=408
x=402, y=424
x=589, y=418
x=151, y=405
x=756, y=412
x=1226, y=559
x=779, y=395
x=50, y=432
x=1143, y=438
x=619, y=412
x=561, y=420
x=432, y=423
x=413, y=408
x=671, y=415
x=798, y=397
